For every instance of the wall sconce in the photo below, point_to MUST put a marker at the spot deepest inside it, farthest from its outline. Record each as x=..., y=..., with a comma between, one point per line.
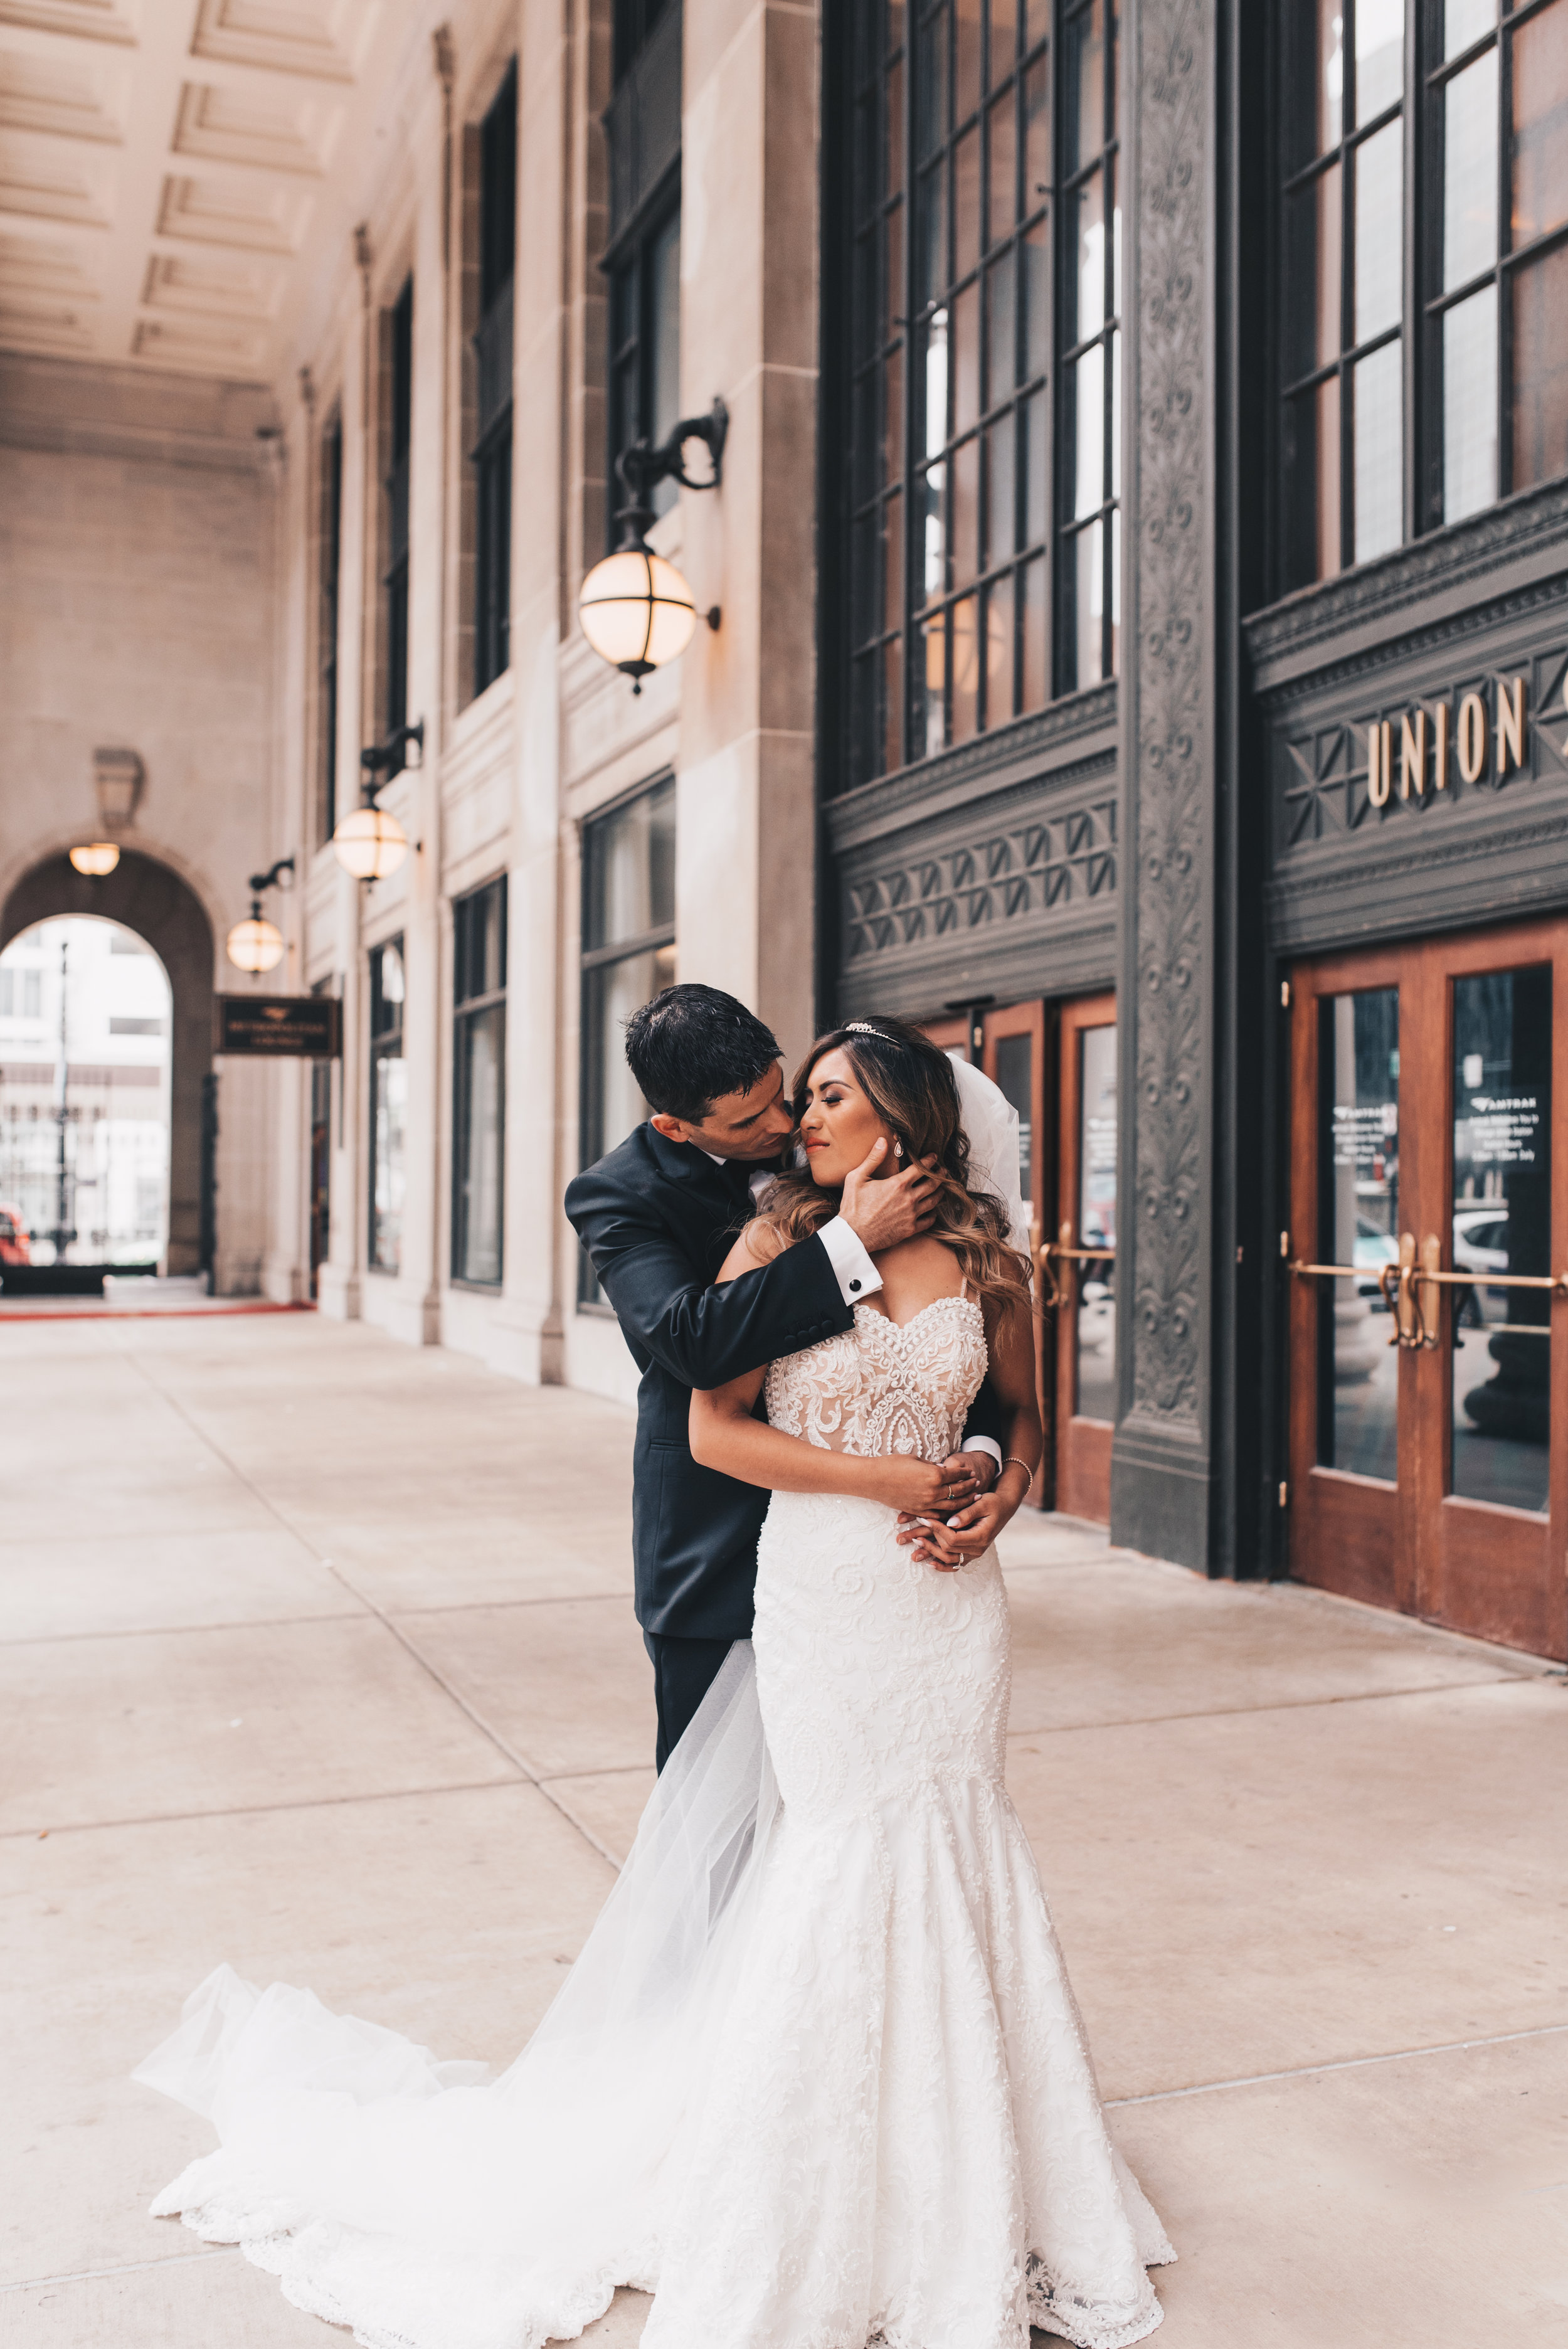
x=95, y=858
x=254, y=944
x=636, y=608
x=370, y=843
x=116, y=779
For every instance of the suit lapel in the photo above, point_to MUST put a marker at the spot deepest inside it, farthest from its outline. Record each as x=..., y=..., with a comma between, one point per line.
x=710, y=1200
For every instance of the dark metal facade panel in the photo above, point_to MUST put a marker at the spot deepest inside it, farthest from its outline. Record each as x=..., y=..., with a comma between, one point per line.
x=1013, y=899
x=1445, y=582
x=1467, y=610
x=991, y=871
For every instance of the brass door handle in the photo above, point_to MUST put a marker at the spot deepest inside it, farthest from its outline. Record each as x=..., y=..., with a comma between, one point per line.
x=1062, y=1251
x=1412, y=1291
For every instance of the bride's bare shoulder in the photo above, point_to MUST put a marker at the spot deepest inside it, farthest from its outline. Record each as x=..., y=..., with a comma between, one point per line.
x=757, y=1244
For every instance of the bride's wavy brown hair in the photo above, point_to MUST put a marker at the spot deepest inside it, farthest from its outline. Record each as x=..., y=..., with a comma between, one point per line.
x=910, y=1083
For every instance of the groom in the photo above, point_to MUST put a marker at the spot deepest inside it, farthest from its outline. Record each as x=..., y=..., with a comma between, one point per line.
x=658, y=1215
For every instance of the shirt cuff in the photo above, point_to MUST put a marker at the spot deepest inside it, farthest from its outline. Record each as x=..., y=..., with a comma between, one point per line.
x=853, y=1270
x=983, y=1444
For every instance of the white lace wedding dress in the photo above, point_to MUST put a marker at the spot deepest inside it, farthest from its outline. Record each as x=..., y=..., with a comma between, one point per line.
x=818, y=2079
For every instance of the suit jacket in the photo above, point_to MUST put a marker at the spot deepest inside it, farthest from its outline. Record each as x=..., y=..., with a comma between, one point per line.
x=658, y=1218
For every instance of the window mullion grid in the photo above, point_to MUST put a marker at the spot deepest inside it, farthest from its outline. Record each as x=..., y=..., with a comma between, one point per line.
x=1021, y=209
x=1347, y=295
x=624, y=950
x=469, y=1005
x=1413, y=354
x=985, y=401
x=1061, y=539
x=913, y=539
x=1503, y=354
x=1107, y=341
x=1051, y=392
x=948, y=148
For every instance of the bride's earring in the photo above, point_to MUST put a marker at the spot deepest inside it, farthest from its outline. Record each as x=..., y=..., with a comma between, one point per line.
x=897, y=1148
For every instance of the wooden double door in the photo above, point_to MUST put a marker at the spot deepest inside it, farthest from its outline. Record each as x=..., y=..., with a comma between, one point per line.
x=1056, y=1061
x=1428, y=1319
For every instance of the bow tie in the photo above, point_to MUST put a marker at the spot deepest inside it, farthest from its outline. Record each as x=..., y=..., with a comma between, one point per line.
x=739, y=1172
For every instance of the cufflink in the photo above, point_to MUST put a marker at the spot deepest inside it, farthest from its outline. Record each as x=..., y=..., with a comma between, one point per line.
x=855, y=1287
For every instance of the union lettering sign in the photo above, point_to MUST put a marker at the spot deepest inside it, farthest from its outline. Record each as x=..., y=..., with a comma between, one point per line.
x=1415, y=757
x=1460, y=743
x=279, y=1027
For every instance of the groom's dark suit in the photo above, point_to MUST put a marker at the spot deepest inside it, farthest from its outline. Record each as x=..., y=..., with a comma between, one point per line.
x=658, y=1218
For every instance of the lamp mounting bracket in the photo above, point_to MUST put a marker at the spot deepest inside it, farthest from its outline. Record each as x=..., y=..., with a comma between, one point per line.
x=260, y=881
x=381, y=761
x=641, y=467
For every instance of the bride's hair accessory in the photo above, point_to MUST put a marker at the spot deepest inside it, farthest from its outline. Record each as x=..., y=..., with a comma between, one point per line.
x=864, y=1027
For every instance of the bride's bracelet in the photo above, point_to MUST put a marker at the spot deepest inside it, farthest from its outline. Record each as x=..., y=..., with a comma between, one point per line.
x=1011, y=1459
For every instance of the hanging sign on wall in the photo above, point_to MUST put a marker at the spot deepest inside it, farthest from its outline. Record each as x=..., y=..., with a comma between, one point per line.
x=279, y=1027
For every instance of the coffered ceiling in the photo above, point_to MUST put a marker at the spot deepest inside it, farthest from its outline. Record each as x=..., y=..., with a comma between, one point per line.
x=167, y=171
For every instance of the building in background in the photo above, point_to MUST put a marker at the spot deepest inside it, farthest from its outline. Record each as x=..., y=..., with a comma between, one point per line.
x=1142, y=627
x=84, y=1093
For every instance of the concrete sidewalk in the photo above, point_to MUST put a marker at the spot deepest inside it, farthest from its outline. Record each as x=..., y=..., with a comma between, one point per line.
x=317, y=1654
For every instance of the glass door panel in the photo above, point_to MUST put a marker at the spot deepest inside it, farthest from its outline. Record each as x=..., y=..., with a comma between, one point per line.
x=1057, y=1066
x=1014, y=1071
x=1358, y=1160
x=1501, y=1339
x=1427, y=1259
x=1083, y=1257
x=1096, y=1389
x=1014, y=1057
x=1346, y=1377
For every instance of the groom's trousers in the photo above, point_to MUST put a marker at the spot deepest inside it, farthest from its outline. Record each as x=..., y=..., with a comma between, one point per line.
x=684, y=1671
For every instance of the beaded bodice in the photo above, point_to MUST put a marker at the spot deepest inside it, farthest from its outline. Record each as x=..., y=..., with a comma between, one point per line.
x=882, y=1388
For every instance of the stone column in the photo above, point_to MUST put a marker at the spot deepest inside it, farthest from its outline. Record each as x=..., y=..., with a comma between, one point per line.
x=285, y=1268
x=1161, y=1462
x=746, y=814
x=414, y=1306
x=549, y=306
x=340, y=1280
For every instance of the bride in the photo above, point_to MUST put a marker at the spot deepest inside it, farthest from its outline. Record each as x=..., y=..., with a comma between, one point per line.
x=818, y=2080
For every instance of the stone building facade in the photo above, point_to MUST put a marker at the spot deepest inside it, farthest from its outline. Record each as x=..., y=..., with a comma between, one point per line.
x=1139, y=570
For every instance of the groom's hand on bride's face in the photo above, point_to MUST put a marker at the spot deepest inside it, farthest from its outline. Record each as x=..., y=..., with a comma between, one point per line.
x=882, y=1210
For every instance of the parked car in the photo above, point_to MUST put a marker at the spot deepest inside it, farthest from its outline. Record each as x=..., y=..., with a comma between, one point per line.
x=1480, y=1238
x=16, y=1240
x=1373, y=1250
x=1481, y=1247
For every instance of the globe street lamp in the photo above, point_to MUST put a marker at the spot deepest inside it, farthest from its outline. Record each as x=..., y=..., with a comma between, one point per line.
x=254, y=944
x=370, y=843
x=95, y=858
x=636, y=608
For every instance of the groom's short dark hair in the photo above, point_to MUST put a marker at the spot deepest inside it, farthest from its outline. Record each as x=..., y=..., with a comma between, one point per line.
x=692, y=1045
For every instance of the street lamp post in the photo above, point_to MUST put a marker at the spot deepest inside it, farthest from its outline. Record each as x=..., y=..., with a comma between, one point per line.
x=62, y=1233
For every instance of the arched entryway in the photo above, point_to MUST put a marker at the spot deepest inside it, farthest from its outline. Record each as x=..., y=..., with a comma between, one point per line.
x=152, y=899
